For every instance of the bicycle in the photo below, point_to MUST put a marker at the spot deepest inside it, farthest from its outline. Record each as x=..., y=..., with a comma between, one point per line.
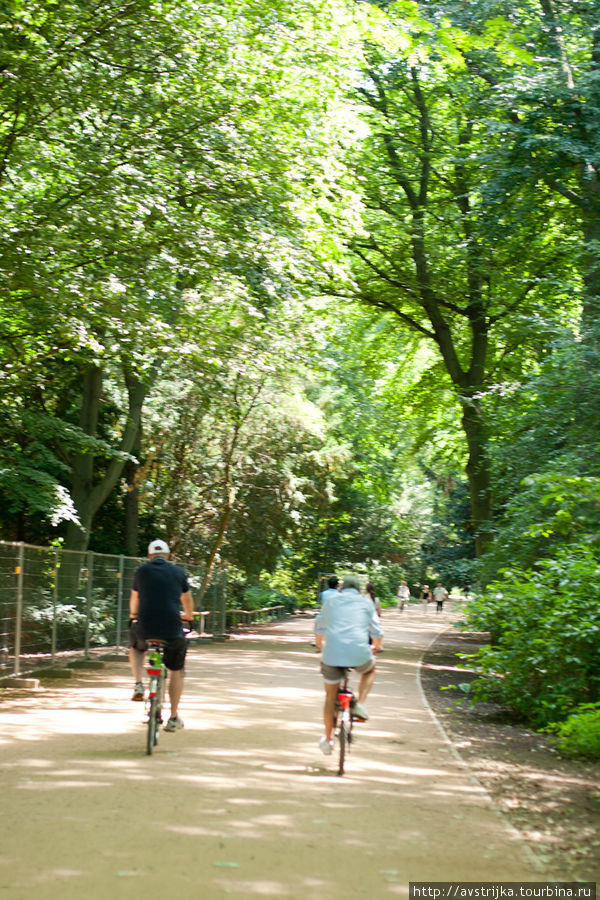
x=157, y=672
x=344, y=714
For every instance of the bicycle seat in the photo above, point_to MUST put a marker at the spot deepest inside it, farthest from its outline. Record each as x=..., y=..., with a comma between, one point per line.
x=158, y=642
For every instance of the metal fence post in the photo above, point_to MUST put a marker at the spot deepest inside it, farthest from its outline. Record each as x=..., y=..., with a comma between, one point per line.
x=215, y=622
x=223, y=581
x=119, y=604
x=54, y=602
x=19, y=610
x=88, y=601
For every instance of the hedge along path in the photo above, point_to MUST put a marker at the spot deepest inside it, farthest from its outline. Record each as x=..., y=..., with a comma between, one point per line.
x=241, y=802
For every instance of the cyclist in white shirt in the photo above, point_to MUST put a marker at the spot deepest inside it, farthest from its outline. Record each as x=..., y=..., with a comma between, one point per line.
x=346, y=622
x=403, y=595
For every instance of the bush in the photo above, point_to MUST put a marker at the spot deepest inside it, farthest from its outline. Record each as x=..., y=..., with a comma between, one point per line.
x=579, y=734
x=259, y=597
x=39, y=615
x=544, y=656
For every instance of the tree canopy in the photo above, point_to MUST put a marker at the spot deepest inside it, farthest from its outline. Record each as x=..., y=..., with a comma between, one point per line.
x=301, y=285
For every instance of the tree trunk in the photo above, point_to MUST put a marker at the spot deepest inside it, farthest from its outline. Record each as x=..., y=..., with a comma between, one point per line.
x=216, y=546
x=590, y=318
x=132, y=502
x=88, y=493
x=82, y=464
x=478, y=473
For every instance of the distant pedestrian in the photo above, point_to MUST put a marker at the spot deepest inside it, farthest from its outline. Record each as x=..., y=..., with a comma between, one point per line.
x=403, y=595
x=370, y=589
x=439, y=595
x=332, y=588
x=425, y=597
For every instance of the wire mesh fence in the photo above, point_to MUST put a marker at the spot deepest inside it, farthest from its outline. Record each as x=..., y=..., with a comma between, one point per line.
x=58, y=603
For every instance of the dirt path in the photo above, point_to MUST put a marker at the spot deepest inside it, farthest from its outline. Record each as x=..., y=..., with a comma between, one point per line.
x=242, y=803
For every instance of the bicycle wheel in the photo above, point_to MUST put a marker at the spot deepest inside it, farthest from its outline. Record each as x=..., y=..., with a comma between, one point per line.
x=159, y=700
x=151, y=736
x=154, y=717
x=344, y=740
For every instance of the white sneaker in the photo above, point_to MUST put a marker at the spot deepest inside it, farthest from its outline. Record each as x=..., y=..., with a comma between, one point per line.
x=359, y=711
x=326, y=746
x=174, y=724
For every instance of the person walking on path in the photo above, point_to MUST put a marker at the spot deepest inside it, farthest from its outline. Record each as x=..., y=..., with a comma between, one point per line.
x=160, y=590
x=346, y=622
x=439, y=595
x=332, y=588
x=425, y=597
x=370, y=591
x=403, y=595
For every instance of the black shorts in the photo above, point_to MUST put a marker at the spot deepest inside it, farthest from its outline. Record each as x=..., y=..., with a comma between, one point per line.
x=173, y=653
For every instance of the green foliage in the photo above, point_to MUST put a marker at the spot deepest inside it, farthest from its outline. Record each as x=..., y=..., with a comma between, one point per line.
x=579, y=734
x=448, y=249
x=145, y=150
x=544, y=454
x=179, y=179
x=41, y=617
x=448, y=550
x=261, y=596
x=544, y=656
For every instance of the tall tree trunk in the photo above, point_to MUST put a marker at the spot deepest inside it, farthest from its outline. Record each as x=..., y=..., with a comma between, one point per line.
x=590, y=319
x=132, y=502
x=478, y=473
x=216, y=545
x=88, y=492
x=82, y=464
x=229, y=489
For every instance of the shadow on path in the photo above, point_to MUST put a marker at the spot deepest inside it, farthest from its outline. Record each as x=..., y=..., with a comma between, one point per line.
x=241, y=802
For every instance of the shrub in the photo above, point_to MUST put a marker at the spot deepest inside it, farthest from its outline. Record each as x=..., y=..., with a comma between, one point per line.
x=40, y=614
x=544, y=656
x=259, y=597
x=579, y=734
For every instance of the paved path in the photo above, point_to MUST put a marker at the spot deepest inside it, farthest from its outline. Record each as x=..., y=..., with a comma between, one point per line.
x=242, y=803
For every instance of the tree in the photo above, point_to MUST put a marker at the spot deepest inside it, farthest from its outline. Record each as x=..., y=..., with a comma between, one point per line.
x=377, y=512
x=434, y=253
x=234, y=448
x=139, y=157
x=547, y=104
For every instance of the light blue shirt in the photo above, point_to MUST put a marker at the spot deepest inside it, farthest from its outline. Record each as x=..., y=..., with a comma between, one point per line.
x=347, y=620
x=328, y=592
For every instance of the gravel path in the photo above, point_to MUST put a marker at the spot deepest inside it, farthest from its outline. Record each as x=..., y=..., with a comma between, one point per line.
x=241, y=802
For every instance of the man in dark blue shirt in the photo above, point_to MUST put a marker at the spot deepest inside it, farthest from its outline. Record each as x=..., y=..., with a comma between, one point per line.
x=160, y=590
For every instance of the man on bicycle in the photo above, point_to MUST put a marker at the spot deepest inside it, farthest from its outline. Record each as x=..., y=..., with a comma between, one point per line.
x=160, y=590
x=346, y=621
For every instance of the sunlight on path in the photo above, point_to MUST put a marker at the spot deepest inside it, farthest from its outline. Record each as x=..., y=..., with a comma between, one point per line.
x=242, y=803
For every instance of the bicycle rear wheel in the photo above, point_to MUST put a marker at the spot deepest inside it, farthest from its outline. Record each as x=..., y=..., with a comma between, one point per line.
x=154, y=719
x=344, y=738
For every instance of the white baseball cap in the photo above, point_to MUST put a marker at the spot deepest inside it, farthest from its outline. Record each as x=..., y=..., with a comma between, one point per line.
x=155, y=547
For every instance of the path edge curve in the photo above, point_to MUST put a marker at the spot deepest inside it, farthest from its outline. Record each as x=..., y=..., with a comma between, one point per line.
x=529, y=853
